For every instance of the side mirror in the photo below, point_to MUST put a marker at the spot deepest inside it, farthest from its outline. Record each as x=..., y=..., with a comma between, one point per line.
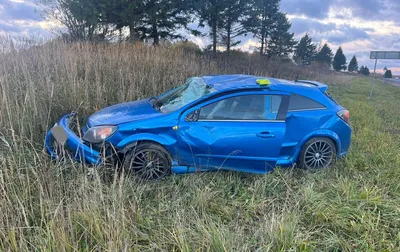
x=193, y=116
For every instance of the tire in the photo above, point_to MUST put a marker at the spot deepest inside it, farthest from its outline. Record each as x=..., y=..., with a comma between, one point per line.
x=149, y=161
x=317, y=153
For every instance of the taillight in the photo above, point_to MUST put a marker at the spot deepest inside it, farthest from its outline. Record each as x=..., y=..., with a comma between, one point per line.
x=345, y=115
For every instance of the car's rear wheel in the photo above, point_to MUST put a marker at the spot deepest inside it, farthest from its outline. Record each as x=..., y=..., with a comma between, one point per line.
x=148, y=161
x=317, y=153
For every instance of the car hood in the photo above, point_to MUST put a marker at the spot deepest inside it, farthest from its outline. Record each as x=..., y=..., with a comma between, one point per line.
x=122, y=113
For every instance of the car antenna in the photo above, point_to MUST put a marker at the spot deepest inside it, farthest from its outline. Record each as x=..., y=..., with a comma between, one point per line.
x=297, y=78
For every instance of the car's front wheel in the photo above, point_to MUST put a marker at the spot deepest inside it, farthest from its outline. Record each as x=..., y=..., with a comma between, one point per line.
x=147, y=160
x=317, y=153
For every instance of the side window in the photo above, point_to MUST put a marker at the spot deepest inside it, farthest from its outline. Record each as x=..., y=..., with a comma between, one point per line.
x=298, y=102
x=245, y=107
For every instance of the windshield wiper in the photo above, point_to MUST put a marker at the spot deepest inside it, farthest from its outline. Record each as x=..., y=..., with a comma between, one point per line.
x=155, y=103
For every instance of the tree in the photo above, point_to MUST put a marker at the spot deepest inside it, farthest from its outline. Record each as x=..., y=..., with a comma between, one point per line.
x=388, y=74
x=280, y=42
x=364, y=70
x=262, y=20
x=305, y=51
x=162, y=18
x=210, y=13
x=231, y=26
x=361, y=70
x=324, y=55
x=339, y=61
x=353, y=65
x=124, y=13
x=148, y=20
x=82, y=19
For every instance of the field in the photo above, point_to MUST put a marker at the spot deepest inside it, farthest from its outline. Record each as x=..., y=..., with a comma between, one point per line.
x=354, y=205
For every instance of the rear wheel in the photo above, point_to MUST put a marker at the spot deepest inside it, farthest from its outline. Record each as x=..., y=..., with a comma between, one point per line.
x=149, y=161
x=317, y=153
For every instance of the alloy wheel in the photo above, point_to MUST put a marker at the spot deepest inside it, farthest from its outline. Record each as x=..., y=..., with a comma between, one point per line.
x=149, y=164
x=318, y=155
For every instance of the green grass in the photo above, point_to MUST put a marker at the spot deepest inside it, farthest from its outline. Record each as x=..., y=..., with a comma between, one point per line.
x=352, y=206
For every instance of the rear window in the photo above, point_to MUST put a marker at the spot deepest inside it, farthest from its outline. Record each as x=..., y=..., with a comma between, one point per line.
x=330, y=97
x=298, y=103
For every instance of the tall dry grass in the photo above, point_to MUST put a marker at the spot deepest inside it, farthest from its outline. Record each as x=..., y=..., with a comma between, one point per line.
x=55, y=207
x=40, y=83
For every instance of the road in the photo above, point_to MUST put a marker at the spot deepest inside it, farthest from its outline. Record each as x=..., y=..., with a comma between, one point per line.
x=394, y=82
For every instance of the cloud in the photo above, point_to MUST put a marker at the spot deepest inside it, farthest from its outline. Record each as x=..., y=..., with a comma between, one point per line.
x=249, y=45
x=302, y=25
x=11, y=10
x=344, y=33
x=20, y=18
x=309, y=8
x=331, y=32
x=373, y=9
x=382, y=10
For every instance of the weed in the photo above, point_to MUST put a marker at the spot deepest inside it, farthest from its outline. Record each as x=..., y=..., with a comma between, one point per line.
x=353, y=205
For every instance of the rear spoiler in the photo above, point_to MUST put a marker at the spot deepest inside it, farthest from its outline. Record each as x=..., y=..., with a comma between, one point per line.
x=321, y=86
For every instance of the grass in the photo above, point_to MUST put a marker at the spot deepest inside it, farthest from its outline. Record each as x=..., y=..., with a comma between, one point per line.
x=353, y=206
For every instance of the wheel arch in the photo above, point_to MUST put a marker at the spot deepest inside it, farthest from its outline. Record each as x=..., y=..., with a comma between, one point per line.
x=132, y=141
x=319, y=133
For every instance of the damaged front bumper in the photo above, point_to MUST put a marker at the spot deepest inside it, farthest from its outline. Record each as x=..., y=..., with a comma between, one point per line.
x=82, y=152
x=74, y=144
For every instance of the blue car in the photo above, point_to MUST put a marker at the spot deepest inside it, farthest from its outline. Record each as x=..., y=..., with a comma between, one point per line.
x=231, y=122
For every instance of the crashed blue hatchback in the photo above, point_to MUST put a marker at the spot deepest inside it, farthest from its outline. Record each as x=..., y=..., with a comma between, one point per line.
x=230, y=122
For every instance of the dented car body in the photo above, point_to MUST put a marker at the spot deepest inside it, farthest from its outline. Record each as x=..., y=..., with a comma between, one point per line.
x=233, y=122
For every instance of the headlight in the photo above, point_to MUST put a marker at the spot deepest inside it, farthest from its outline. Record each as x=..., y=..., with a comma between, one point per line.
x=99, y=134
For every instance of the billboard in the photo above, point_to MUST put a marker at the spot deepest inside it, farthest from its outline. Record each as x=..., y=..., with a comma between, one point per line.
x=385, y=55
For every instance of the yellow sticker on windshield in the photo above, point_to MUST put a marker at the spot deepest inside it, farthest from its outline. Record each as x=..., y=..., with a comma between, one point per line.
x=263, y=82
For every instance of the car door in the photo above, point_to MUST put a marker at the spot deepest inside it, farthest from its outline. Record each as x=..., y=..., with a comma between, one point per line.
x=241, y=132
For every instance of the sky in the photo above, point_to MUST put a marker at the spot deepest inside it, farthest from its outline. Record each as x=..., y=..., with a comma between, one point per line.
x=359, y=26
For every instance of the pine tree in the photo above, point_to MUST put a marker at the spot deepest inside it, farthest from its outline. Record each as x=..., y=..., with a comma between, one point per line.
x=147, y=20
x=364, y=70
x=280, y=42
x=339, y=61
x=353, y=65
x=388, y=74
x=305, y=51
x=324, y=55
x=262, y=20
x=210, y=13
x=124, y=13
x=162, y=19
x=230, y=26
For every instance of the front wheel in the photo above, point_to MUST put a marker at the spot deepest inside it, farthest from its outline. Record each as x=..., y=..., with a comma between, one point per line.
x=149, y=161
x=317, y=153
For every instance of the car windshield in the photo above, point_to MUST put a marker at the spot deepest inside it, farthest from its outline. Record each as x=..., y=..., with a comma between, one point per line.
x=192, y=90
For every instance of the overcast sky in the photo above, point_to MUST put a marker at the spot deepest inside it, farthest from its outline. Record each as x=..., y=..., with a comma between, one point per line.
x=359, y=26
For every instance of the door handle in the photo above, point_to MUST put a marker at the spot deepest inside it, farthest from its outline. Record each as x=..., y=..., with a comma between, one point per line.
x=265, y=135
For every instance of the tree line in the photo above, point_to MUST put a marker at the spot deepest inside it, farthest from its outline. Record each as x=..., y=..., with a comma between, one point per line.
x=156, y=20
x=226, y=22
x=306, y=52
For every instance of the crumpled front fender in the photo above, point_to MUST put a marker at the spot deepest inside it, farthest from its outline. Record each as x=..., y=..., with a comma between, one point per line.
x=131, y=142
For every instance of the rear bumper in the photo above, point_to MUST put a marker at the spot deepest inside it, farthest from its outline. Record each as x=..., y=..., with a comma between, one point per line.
x=79, y=150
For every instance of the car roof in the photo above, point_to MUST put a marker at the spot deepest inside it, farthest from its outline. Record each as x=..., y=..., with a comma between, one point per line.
x=241, y=81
